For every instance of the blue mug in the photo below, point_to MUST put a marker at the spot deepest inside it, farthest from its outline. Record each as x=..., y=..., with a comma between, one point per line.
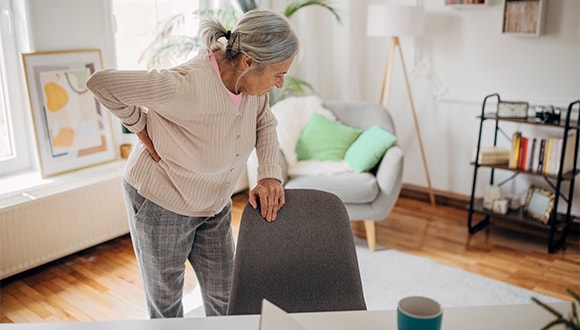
x=419, y=313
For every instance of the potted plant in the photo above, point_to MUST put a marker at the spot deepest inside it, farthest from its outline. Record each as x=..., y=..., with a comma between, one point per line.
x=169, y=46
x=571, y=321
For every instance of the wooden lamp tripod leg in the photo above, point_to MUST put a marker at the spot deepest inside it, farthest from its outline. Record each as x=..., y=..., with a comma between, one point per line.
x=384, y=98
x=384, y=101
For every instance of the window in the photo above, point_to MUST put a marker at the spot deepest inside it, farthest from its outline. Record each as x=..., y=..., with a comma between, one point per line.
x=15, y=153
x=137, y=22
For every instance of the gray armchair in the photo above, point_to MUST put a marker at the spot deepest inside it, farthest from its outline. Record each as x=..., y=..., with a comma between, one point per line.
x=368, y=196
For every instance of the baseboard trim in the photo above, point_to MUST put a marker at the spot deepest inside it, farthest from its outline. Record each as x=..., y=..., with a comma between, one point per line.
x=444, y=198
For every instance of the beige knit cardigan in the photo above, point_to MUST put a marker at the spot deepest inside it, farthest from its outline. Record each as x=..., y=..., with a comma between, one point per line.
x=203, y=140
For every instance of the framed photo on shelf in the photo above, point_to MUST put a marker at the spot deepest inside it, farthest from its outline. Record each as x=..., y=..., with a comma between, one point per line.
x=539, y=204
x=465, y=2
x=512, y=109
x=72, y=129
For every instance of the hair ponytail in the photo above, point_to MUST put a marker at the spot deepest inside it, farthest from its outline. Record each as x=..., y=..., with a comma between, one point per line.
x=265, y=36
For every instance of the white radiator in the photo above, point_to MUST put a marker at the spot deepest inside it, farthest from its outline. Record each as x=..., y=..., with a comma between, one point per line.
x=59, y=220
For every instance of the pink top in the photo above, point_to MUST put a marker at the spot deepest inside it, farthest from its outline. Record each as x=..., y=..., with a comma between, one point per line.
x=237, y=98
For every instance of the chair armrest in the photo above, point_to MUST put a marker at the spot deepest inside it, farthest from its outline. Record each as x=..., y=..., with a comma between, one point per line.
x=390, y=171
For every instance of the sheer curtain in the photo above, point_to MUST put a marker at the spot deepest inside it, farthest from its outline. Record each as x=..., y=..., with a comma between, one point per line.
x=334, y=53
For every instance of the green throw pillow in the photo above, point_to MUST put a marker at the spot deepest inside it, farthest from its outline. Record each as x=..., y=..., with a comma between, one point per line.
x=324, y=139
x=366, y=152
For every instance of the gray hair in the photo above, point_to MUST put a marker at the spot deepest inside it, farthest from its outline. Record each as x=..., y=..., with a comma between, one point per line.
x=265, y=36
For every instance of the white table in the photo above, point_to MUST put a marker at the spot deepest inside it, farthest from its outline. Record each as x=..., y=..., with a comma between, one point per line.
x=508, y=317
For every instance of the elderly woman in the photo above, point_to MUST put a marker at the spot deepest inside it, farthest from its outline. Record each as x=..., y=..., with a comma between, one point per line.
x=197, y=123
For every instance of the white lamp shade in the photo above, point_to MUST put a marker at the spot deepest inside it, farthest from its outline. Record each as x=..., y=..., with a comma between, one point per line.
x=396, y=21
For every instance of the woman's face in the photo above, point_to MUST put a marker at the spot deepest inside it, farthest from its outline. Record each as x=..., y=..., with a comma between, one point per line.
x=260, y=82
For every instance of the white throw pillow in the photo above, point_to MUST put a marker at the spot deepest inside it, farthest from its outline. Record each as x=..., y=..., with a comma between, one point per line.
x=292, y=114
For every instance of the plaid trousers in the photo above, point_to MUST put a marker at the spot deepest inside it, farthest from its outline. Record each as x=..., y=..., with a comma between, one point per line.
x=164, y=240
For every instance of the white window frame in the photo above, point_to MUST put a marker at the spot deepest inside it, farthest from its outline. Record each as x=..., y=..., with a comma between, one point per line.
x=14, y=41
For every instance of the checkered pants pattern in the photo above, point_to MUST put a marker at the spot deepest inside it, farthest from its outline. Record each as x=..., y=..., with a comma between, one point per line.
x=164, y=240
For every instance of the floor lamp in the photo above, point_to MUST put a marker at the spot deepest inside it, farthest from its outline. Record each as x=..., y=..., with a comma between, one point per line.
x=397, y=21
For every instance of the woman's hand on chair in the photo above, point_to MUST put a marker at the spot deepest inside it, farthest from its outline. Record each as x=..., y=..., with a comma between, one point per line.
x=270, y=194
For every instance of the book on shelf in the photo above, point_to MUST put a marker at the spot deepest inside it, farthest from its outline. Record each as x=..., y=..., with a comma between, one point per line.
x=542, y=154
x=557, y=147
x=493, y=155
x=546, y=167
x=540, y=166
x=531, y=155
x=523, y=156
x=535, y=155
x=556, y=152
x=515, y=150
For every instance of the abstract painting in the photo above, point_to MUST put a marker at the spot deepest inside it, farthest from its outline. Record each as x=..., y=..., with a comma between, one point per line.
x=73, y=130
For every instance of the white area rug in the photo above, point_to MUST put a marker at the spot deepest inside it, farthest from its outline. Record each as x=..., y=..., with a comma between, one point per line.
x=389, y=275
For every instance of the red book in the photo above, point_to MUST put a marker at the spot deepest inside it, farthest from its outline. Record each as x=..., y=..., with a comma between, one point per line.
x=523, y=153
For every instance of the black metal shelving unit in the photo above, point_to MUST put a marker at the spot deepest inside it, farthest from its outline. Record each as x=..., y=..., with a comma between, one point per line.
x=560, y=218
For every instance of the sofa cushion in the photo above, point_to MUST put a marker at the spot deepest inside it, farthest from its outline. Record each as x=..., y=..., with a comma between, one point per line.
x=292, y=114
x=325, y=139
x=356, y=188
x=366, y=152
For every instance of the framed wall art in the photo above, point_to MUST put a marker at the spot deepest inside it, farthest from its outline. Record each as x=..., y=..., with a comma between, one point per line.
x=73, y=130
x=524, y=17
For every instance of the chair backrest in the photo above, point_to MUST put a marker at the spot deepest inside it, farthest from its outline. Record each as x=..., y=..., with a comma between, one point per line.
x=361, y=114
x=305, y=261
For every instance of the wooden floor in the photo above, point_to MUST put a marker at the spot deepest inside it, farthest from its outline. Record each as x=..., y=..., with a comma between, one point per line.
x=103, y=283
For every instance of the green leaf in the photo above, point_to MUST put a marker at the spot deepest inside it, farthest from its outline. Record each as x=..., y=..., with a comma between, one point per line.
x=293, y=86
x=172, y=48
x=247, y=5
x=168, y=46
x=295, y=6
x=548, y=308
x=571, y=324
x=171, y=24
x=553, y=323
x=227, y=15
x=574, y=295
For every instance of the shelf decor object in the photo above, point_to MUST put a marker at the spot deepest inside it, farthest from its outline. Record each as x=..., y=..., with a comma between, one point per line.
x=548, y=206
x=539, y=204
x=510, y=109
x=523, y=17
x=396, y=21
x=466, y=3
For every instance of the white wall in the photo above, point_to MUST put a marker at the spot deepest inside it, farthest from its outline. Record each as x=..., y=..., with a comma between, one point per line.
x=463, y=56
x=69, y=24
